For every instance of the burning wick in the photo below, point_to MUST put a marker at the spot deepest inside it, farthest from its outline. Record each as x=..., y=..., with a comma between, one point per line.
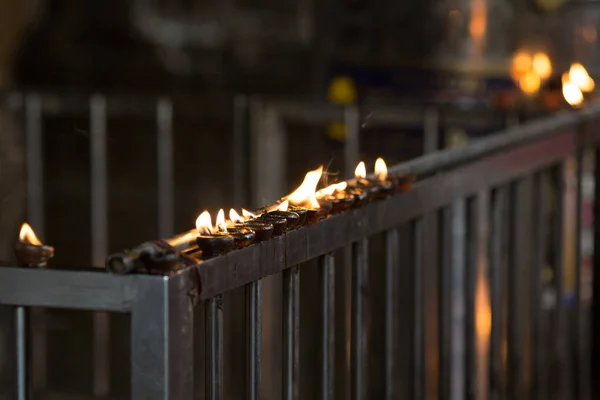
x=338, y=197
x=30, y=251
x=381, y=169
x=361, y=170
x=304, y=196
x=262, y=230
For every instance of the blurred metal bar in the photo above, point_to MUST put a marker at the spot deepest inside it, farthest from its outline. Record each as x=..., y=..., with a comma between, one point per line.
x=352, y=143
x=36, y=217
x=214, y=340
x=22, y=354
x=482, y=296
x=327, y=275
x=595, y=312
x=499, y=291
x=392, y=263
x=164, y=122
x=240, y=147
x=99, y=235
x=359, y=339
x=254, y=306
x=291, y=333
x=471, y=369
x=418, y=372
x=539, y=356
x=431, y=134
x=162, y=336
x=446, y=304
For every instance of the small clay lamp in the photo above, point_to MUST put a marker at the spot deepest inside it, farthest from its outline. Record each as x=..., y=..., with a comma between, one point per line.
x=336, y=196
x=242, y=236
x=262, y=230
x=210, y=240
x=370, y=186
x=279, y=223
x=30, y=251
x=290, y=217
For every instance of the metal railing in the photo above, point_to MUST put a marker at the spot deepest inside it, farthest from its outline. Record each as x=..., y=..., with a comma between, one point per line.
x=470, y=238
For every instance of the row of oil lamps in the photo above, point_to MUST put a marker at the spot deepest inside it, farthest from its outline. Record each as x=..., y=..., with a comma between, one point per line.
x=305, y=206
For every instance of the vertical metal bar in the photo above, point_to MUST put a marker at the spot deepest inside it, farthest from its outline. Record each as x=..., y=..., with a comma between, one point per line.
x=392, y=263
x=446, y=304
x=214, y=339
x=254, y=302
x=164, y=122
x=431, y=130
x=162, y=339
x=327, y=275
x=99, y=235
x=240, y=147
x=431, y=302
x=352, y=143
x=359, y=319
x=471, y=373
x=539, y=222
x=21, y=347
x=458, y=259
x=418, y=336
x=291, y=331
x=35, y=215
x=579, y=391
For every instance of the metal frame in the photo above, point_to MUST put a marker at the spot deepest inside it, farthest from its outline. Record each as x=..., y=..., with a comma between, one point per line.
x=162, y=306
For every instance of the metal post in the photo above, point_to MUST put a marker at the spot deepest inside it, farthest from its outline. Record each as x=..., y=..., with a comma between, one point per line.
x=21, y=347
x=99, y=235
x=360, y=325
x=418, y=370
x=164, y=145
x=392, y=263
x=291, y=333
x=162, y=345
x=327, y=277
x=254, y=306
x=595, y=313
x=214, y=352
x=446, y=304
x=35, y=215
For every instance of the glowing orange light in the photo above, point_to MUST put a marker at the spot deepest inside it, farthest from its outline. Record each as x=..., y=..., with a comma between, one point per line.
x=578, y=76
x=380, y=169
x=530, y=83
x=235, y=217
x=220, y=224
x=283, y=206
x=329, y=190
x=247, y=214
x=361, y=170
x=521, y=64
x=204, y=224
x=541, y=65
x=572, y=94
x=27, y=235
x=305, y=194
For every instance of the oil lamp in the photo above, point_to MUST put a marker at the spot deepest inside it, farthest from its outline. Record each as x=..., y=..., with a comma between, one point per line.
x=336, y=196
x=213, y=241
x=30, y=251
x=262, y=230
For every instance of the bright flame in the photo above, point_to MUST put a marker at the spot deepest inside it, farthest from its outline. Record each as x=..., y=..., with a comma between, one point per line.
x=235, y=217
x=572, y=94
x=283, y=206
x=204, y=224
x=220, y=224
x=305, y=194
x=580, y=78
x=247, y=214
x=541, y=65
x=381, y=169
x=521, y=64
x=329, y=190
x=27, y=235
x=361, y=170
x=530, y=83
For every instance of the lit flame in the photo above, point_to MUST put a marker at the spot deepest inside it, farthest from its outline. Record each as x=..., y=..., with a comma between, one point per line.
x=204, y=224
x=361, y=170
x=521, y=64
x=329, y=190
x=235, y=217
x=220, y=224
x=283, y=206
x=381, y=169
x=572, y=94
x=27, y=235
x=530, y=83
x=541, y=65
x=580, y=78
x=305, y=194
x=247, y=214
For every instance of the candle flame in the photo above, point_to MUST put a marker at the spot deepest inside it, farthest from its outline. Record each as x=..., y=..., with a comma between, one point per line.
x=541, y=65
x=381, y=169
x=235, y=217
x=305, y=194
x=27, y=235
x=329, y=190
x=204, y=224
x=578, y=76
x=530, y=83
x=361, y=170
x=247, y=214
x=283, y=206
x=220, y=224
x=572, y=94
